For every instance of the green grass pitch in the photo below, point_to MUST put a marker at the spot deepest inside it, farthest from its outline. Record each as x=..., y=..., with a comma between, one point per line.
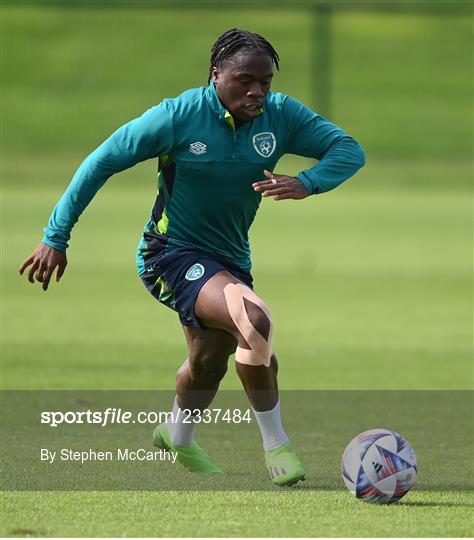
x=369, y=286
x=234, y=514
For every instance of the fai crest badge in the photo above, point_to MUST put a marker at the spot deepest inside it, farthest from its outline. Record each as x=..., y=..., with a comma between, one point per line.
x=264, y=143
x=195, y=272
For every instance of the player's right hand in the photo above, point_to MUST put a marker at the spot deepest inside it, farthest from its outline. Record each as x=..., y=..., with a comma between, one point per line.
x=44, y=260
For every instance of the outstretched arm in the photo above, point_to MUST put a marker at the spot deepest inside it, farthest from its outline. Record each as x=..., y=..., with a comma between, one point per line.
x=145, y=137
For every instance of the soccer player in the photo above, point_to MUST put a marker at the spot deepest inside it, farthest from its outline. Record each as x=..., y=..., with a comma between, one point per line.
x=217, y=147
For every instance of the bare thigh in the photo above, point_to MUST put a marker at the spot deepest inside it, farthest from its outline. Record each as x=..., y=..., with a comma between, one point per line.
x=212, y=311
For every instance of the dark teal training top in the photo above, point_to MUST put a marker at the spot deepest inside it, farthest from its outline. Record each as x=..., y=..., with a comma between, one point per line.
x=205, y=199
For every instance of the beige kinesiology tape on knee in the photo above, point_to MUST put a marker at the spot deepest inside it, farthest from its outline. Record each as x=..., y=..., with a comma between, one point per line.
x=260, y=350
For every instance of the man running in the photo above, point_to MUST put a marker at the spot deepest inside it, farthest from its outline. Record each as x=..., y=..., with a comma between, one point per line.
x=217, y=147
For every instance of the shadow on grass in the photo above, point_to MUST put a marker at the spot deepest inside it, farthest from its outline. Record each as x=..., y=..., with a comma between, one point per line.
x=434, y=504
x=26, y=532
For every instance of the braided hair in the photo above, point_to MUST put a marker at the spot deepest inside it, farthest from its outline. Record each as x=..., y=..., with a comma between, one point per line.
x=236, y=40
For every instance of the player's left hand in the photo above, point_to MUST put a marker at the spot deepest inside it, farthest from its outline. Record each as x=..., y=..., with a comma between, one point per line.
x=281, y=187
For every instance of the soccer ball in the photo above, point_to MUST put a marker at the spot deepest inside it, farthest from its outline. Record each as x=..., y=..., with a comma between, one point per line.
x=379, y=466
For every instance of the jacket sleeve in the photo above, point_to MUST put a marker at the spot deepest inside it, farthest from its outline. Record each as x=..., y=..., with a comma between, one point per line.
x=311, y=135
x=145, y=137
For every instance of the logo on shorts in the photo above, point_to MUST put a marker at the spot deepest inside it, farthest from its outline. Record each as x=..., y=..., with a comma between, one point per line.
x=264, y=143
x=195, y=272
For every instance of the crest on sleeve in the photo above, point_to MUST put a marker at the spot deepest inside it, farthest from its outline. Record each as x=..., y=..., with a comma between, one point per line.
x=264, y=143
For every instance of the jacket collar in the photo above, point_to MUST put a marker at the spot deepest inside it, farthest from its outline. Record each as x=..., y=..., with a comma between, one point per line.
x=215, y=102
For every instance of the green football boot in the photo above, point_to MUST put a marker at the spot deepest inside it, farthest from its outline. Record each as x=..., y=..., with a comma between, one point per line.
x=284, y=466
x=193, y=457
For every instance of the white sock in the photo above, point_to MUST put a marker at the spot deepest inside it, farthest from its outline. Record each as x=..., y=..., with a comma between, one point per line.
x=269, y=422
x=181, y=433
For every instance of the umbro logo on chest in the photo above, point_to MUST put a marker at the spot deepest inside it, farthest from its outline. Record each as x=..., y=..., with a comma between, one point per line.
x=198, y=148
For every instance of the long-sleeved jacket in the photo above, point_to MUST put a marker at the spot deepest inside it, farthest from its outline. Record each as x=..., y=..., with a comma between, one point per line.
x=205, y=199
